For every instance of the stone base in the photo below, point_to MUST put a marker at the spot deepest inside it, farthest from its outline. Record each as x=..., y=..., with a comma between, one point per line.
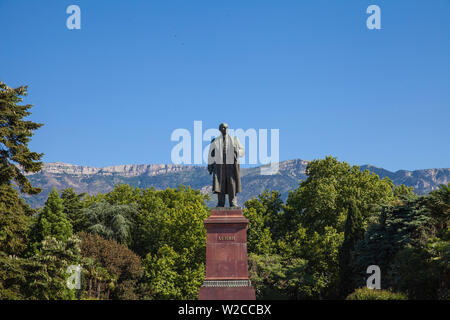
x=226, y=257
x=226, y=293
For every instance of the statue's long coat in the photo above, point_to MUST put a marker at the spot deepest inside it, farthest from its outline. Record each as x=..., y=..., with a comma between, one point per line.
x=232, y=171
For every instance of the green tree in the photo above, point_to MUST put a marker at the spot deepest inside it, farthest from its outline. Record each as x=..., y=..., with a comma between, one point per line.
x=268, y=206
x=400, y=245
x=73, y=208
x=97, y=283
x=122, y=265
x=22, y=278
x=414, y=272
x=268, y=275
x=123, y=194
x=42, y=276
x=173, y=217
x=15, y=156
x=111, y=221
x=171, y=275
x=439, y=204
x=321, y=200
x=51, y=222
x=15, y=221
x=259, y=237
x=318, y=278
x=15, y=134
x=166, y=231
x=354, y=231
x=57, y=256
x=169, y=231
x=402, y=191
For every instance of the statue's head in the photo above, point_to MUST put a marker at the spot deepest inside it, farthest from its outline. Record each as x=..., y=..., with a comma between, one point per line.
x=223, y=128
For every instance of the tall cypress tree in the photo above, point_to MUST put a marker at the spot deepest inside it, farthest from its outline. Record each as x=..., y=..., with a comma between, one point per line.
x=73, y=207
x=52, y=222
x=354, y=231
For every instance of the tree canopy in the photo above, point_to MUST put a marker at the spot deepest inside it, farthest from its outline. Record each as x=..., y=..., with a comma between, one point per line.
x=15, y=134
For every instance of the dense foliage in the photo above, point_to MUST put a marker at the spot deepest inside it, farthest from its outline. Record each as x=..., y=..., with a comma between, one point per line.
x=51, y=222
x=150, y=244
x=123, y=268
x=338, y=222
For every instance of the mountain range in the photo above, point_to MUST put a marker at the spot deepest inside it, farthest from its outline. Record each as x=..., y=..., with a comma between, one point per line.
x=160, y=176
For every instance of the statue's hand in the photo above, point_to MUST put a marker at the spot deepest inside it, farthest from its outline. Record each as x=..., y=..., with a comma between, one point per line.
x=210, y=168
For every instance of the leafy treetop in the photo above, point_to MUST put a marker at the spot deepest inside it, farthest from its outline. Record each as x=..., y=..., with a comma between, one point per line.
x=15, y=134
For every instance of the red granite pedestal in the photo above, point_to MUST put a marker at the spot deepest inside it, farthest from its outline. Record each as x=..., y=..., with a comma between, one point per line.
x=226, y=257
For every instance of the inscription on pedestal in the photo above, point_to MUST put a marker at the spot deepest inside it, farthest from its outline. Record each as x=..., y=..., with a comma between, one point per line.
x=226, y=237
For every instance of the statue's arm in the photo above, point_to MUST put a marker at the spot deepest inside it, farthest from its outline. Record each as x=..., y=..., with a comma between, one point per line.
x=240, y=151
x=211, y=156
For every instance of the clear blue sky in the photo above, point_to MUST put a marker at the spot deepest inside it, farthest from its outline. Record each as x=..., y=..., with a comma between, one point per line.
x=113, y=92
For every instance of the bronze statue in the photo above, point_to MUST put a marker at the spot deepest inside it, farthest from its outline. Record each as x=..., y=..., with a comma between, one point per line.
x=223, y=163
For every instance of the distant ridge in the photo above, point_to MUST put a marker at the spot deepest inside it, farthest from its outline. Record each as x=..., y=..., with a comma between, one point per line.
x=126, y=170
x=93, y=180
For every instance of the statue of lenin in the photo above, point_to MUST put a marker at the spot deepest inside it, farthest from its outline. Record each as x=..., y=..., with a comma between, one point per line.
x=223, y=163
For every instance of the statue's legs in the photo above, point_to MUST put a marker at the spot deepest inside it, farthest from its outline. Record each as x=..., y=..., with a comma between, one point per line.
x=232, y=199
x=231, y=190
x=228, y=186
x=221, y=198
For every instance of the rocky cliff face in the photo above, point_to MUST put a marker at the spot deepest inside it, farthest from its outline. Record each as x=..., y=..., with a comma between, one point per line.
x=127, y=170
x=423, y=181
x=160, y=176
